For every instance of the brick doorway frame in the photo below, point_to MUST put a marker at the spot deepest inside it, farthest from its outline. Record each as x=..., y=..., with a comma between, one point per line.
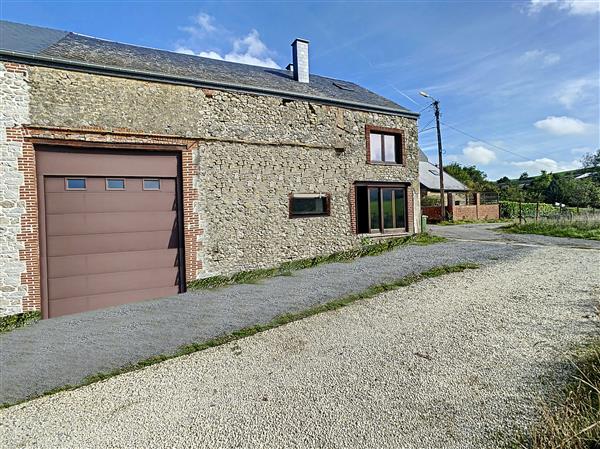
x=29, y=237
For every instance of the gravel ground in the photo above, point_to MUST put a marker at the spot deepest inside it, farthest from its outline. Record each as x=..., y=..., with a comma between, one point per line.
x=64, y=351
x=489, y=233
x=451, y=362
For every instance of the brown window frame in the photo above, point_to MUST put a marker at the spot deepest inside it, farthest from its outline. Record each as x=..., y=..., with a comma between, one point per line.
x=326, y=213
x=381, y=186
x=398, y=135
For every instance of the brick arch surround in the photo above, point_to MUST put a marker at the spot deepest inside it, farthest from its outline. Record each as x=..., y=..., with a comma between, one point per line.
x=29, y=253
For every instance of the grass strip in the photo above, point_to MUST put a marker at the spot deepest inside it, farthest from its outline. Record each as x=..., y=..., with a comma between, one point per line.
x=286, y=269
x=276, y=322
x=572, y=420
x=573, y=229
x=483, y=221
x=11, y=322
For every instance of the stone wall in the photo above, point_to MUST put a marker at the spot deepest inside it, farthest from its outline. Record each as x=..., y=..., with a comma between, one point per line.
x=252, y=152
x=263, y=149
x=14, y=112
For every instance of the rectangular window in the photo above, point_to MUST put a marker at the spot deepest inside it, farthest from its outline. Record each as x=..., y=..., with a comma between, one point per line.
x=75, y=183
x=151, y=184
x=309, y=204
x=385, y=146
x=380, y=209
x=115, y=184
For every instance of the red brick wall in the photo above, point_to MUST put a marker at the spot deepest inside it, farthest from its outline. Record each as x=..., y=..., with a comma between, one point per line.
x=15, y=68
x=474, y=212
x=463, y=212
x=28, y=236
x=489, y=211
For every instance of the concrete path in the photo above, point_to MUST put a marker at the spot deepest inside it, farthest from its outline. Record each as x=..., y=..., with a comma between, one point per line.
x=63, y=351
x=455, y=362
x=489, y=233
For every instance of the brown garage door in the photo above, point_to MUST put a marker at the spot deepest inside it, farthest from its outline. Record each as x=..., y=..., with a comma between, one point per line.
x=109, y=239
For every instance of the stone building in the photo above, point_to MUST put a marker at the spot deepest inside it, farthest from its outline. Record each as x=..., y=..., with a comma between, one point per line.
x=127, y=172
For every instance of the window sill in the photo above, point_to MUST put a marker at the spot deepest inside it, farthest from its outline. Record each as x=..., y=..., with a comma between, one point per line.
x=391, y=164
x=309, y=216
x=379, y=235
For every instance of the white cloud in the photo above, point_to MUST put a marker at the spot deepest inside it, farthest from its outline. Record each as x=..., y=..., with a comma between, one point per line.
x=205, y=22
x=573, y=7
x=476, y=153
x=539, y=56
x=184, y=51
x=581, y=150
x=211, y=55
x=547, y=164
x=562, y=126
x=249, y=49
x=575, y=90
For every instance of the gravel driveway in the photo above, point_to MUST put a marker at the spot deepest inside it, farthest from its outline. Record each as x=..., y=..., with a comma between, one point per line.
x=452, y=362
x=65, y=350
x=489, y=233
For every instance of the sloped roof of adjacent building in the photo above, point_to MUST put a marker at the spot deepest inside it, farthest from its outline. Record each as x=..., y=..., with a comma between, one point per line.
x=49, y=47
x=429, y=176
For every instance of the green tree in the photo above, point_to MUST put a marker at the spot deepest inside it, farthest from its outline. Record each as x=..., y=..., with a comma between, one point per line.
x=524, y=175
x=470, y=176
x=536, y=191
x=591, y=160
x=558, y=190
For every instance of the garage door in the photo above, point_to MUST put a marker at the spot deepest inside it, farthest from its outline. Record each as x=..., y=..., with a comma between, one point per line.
x=111, y=229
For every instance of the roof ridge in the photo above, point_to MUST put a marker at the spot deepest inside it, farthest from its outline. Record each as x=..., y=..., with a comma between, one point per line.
x=77, y=51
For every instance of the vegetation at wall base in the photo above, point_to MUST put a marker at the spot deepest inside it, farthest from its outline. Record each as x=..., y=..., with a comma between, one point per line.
x=276, y=322
x=571, y=229
x=572, y=419
x=285, y=269
x=10, y=322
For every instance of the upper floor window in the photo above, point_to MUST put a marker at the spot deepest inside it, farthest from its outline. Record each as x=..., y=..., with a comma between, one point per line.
x=384, y=145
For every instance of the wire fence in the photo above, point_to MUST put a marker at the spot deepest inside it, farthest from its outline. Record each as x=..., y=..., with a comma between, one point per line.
x=489, y=198
x=557, y=213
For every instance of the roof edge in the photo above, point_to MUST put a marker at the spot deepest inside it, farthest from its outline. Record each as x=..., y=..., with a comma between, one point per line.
x=45, y=61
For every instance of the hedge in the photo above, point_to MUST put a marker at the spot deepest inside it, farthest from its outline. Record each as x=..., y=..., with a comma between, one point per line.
x=510, y=209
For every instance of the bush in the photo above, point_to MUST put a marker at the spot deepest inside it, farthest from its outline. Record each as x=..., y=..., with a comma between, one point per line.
x=510, y=209
x=431, y=201
x=572, y=419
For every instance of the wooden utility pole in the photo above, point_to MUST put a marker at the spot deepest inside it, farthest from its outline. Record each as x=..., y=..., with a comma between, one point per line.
x=436, y=105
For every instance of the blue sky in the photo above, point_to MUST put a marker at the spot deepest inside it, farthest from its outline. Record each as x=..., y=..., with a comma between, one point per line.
x=518, y=81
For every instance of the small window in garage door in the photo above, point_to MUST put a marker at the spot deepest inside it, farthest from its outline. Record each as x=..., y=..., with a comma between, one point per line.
x=75, y=184
x=151, y=184
x=115, y=184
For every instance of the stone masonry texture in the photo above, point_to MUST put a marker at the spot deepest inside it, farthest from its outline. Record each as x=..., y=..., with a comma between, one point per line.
x=14, y=112
x=250, y=153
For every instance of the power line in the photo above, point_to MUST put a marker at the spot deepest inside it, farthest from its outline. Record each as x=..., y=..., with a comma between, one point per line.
x=425, y=127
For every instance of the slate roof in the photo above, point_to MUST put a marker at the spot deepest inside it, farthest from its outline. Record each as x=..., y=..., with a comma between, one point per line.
x=429, y=176
x=44, y=46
